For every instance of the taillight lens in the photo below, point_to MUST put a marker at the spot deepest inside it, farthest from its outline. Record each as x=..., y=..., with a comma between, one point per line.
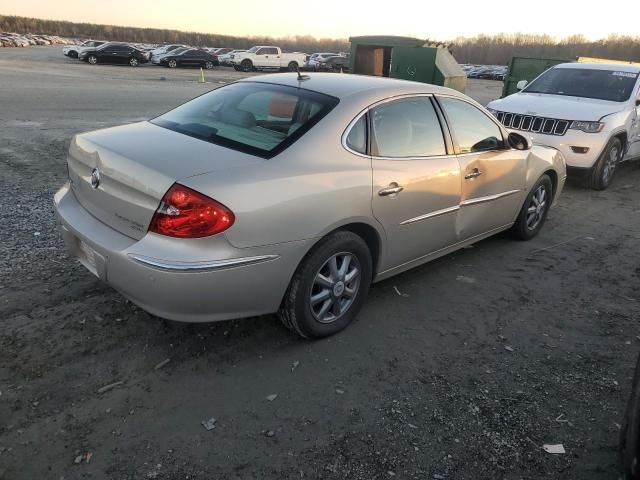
x=185, y=213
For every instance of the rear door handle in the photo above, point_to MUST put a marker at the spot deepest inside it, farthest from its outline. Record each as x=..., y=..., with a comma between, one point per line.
x=392, y=189
x=475, y=173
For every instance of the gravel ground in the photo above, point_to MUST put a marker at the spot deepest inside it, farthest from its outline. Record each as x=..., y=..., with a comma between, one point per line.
x=460, y=369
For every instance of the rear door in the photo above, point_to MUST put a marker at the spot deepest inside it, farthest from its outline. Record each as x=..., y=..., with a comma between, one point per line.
x=416, y=179
x=417, y=64
x=492, y=174
x=108, y=54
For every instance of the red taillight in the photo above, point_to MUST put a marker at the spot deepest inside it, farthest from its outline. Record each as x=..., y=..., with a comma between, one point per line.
x=185, y=213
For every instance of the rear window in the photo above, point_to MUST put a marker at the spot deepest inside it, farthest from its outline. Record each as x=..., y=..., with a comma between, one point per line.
x=257, y=118
x=612, y=85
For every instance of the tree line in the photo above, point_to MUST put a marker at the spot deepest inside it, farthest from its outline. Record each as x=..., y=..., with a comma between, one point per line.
x=481, y=49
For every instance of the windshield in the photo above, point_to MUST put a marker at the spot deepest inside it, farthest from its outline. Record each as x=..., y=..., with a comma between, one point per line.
x=252, y=50
x=257, y=118
x=615, y=86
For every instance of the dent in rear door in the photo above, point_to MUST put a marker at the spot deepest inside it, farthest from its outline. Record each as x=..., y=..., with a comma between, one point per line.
x=420, y=218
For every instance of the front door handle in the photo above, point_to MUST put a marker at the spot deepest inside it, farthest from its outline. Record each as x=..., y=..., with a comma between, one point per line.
x=475, y=173
x=392, y=189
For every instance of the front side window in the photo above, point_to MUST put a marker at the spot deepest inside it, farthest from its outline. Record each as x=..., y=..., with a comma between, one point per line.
x=407, y=128
x=472, y=129
x=257, y=118
x=612, y=85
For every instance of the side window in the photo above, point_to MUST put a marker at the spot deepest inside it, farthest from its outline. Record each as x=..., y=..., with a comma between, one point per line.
x=471, y=128
x=271, y=51
x=357, y=138
x=407, y=128
x=262, y=51
x=112, y=48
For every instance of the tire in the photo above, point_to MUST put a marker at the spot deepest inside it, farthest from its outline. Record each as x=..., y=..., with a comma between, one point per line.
x=314, y=277
x=172, y=63
x=293, y=66
x=532, y=216
x=208, y=65
x=630, y=432
x=604, y=169
x=133, y=62
x=73, y=54
x=92, y=59
x=246, y=66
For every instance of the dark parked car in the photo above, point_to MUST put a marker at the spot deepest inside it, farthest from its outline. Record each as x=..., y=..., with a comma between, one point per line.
x=334, y=64
x=117, y=53
x=191, y=58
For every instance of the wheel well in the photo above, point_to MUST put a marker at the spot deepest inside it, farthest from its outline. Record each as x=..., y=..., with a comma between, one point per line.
x=623, y=139
x=370, y=237
x=554, y=180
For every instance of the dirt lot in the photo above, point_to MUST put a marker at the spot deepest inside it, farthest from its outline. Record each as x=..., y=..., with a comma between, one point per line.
x=484, y=355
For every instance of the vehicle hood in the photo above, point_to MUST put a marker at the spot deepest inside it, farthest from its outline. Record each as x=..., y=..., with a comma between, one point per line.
x=556, y=106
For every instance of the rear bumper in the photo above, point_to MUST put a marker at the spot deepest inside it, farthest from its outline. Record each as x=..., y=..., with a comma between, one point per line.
x=198, y=280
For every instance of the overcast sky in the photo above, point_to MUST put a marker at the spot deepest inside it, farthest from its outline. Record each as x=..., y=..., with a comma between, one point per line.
x=441, y=20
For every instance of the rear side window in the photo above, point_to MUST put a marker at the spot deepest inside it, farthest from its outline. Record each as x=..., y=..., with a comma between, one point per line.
x=472, y=129
x=257, y=118
x=357, y=137
x=407, y=128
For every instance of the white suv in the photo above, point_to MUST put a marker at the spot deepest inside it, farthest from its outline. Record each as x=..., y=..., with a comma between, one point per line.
x=588, y=111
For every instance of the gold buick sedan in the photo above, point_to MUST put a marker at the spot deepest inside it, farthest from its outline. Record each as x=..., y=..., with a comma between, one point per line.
x=292, y=194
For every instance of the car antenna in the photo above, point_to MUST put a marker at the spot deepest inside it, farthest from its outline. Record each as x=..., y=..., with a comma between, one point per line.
x=301, y=77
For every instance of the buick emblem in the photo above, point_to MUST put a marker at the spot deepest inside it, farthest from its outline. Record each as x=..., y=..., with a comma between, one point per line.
x=95, y=178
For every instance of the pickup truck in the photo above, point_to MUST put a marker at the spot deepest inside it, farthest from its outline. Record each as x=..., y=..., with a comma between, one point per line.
x=267, y=58
x=588, y=111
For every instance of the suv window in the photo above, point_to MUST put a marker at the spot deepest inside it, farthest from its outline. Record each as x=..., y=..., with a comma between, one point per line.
x=407, y=128
x=472, y=129
x=257, y=118
x=357, y=138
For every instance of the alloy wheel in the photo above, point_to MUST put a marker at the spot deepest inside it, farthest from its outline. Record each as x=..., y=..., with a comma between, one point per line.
x=335, y=287
x=208, y=65
x=133, y=62
x=610, y=165
x=537, y=208
x=93, y=60
x=172, y=63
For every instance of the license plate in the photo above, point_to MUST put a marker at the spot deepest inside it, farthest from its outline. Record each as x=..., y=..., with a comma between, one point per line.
x=87, y=254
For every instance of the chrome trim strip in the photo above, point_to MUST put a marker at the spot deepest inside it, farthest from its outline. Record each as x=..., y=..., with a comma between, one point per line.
x=488, y=198
x=200, y=266
x=437, y=213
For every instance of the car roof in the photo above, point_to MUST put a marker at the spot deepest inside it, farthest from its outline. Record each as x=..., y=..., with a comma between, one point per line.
x=618, y=67
x=346, y=85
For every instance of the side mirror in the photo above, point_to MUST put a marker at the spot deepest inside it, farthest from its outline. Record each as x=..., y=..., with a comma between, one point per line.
x=521, y=84
x=519, y=142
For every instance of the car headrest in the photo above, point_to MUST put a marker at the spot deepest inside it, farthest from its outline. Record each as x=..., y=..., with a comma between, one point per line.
x=238, y=117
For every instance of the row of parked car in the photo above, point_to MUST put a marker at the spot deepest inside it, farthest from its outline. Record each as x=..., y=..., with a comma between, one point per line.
x=17, y=40
x=262, y=57
x=488, y=72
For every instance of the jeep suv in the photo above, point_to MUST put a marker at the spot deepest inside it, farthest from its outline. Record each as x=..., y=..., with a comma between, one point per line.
x=588, y=111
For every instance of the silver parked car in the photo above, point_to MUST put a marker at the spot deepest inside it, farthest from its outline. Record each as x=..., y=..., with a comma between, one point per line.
x=292, y=194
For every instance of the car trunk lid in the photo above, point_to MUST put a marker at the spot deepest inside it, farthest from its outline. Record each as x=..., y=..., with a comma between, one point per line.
x=120, y=174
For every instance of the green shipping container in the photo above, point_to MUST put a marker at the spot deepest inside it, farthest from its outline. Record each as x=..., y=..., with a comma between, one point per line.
x=526, y=68
x=406, y=58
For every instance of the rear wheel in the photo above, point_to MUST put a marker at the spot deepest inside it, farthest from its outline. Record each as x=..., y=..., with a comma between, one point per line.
x=329, y=287
x=534, y=210
x=293, y=66
x=133, y=62
x=602, y=172
x=208, y=65
x=172, y=63
x=92, y=59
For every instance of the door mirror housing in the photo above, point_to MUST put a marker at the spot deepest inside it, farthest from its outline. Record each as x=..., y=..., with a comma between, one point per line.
x=518, y=141
x=521, y=84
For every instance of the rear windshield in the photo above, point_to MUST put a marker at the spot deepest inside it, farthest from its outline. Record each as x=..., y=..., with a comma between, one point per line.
x=612, y=85
x=258, y=118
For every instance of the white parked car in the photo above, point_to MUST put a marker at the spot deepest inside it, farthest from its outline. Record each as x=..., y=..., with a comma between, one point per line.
x=316, y=58
x=73, y=51
x=588, y=111
x=228, y=57
x=268, y=58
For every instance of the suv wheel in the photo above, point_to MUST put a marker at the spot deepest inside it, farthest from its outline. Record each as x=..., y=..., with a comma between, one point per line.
x=602, y=172
x=329, y=287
